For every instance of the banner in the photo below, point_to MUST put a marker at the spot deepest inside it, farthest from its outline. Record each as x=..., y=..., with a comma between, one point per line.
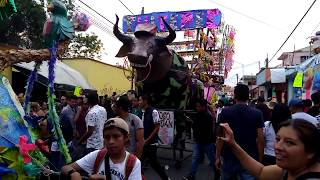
x=179, y=21
x=166, y=131
x=278, y=75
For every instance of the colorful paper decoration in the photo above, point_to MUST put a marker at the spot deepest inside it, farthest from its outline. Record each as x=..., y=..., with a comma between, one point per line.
x=81, y=22
x=77, y=91
x=316, y=81
x=297, y=83
x=228, y=49
x=179, y=21
x=24, y=148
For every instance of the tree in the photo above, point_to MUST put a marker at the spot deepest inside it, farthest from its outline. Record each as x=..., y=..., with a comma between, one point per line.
x=85, y=46
x=24, y=28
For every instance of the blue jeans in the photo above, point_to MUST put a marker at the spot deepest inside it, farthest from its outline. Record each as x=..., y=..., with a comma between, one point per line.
x=198, y=149
x=232, y=169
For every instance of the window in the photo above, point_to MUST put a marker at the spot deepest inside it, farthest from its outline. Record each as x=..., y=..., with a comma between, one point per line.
x=304, y=58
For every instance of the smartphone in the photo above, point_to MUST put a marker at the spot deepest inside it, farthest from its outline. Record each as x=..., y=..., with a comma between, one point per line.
x=220, y=132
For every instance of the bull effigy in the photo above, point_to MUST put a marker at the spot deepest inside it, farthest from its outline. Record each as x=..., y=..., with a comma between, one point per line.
x=162, y=72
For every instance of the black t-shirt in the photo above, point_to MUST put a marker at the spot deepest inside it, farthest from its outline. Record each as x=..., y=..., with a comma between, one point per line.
x=244, y=122
x=203, y=128
x=314, y=111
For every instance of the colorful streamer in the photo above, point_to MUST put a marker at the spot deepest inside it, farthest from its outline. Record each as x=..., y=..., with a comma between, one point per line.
x=53, y=116
x=32, y=78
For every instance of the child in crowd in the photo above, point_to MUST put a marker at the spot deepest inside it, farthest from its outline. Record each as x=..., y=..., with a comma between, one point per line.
x=120, y=164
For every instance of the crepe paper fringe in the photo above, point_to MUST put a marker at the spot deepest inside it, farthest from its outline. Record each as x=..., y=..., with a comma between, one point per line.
x=32, y=78
x=53, y=116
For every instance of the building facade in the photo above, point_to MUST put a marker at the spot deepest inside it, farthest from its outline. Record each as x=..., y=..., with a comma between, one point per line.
x=105, y=78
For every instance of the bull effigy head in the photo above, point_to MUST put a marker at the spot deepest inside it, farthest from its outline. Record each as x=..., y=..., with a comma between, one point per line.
x=145, y=46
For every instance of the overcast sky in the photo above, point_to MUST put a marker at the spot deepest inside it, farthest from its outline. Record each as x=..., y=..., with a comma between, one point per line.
x=261, y=26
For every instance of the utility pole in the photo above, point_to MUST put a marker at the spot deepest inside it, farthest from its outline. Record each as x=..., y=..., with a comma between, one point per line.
x=267, y=62
x=237, y=78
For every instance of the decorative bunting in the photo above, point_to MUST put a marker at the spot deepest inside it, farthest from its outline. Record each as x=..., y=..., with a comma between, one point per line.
x=179, y=21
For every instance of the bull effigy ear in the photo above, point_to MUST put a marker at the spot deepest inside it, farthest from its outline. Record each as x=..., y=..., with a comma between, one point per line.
x=123, y=51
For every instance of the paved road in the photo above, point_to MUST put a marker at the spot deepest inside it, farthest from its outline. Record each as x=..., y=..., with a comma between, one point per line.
x=204, y=172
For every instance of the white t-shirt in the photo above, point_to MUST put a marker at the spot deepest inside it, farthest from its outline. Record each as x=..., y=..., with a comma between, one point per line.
x=117, y=170
x=270, y=139
x=305, y=116
x=96, y=118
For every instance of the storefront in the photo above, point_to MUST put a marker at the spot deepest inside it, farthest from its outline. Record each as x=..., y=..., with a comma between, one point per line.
x=305, y=79
x=272, y=84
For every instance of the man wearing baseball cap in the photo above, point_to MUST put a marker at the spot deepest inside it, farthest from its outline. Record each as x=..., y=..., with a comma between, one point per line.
x=116, y=136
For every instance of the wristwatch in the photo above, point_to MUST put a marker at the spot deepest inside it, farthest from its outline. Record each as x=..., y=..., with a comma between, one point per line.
x=71, y=171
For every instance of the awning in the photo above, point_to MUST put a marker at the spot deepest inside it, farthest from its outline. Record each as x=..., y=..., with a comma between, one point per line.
x=64, y=74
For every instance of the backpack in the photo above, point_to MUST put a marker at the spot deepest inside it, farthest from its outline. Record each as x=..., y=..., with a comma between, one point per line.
x=131, y=160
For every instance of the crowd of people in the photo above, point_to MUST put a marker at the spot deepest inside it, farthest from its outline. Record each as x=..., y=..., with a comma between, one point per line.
x=267, y=140
x=110, y=138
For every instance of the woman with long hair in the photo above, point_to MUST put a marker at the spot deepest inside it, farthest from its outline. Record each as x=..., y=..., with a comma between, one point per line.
x=297, y=151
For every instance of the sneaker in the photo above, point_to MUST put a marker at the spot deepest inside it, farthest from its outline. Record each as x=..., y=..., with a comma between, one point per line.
x=190, y=177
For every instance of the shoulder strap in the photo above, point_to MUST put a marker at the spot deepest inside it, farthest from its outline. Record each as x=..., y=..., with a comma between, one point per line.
x=107, y=167
x=101, y=154
x=131, y=161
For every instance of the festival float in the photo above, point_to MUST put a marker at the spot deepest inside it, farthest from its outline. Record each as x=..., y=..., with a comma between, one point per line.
x=206, y=55
x=165, y=74
x=22, y=151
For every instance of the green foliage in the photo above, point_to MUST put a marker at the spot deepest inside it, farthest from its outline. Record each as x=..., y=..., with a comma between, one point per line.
x=24, y=28
x=85, y=46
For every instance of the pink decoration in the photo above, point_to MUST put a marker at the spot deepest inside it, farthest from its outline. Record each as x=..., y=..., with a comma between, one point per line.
x=186, y=18
x=162, y=28
x=208, y=92
x=81, y=22
x=213, y=18
x=24, y=148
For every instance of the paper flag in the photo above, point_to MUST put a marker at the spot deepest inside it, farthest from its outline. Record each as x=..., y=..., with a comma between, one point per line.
x=77, y=91
x=297, y=83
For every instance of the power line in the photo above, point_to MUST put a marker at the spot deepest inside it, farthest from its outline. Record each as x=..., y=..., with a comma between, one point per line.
x=314, y=29
x=98, y=23
x=126, y=7
x=293, y=30
x=93, y=17
x=97, y=12
x=245, y=15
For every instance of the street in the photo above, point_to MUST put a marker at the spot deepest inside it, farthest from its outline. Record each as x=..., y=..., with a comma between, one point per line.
x=204, y=171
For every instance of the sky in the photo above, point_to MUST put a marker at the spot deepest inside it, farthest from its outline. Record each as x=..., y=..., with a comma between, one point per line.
x=261, y=26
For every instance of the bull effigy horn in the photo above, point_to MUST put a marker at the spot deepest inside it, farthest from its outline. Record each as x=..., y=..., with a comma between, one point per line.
x=172, y=34
x=123, y=38
x=12, y=56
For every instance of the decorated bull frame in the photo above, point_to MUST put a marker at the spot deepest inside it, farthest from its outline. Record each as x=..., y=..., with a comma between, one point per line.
x=160, y=72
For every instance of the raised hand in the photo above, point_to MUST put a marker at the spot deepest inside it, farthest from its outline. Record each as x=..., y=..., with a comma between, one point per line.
x=228, y=134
